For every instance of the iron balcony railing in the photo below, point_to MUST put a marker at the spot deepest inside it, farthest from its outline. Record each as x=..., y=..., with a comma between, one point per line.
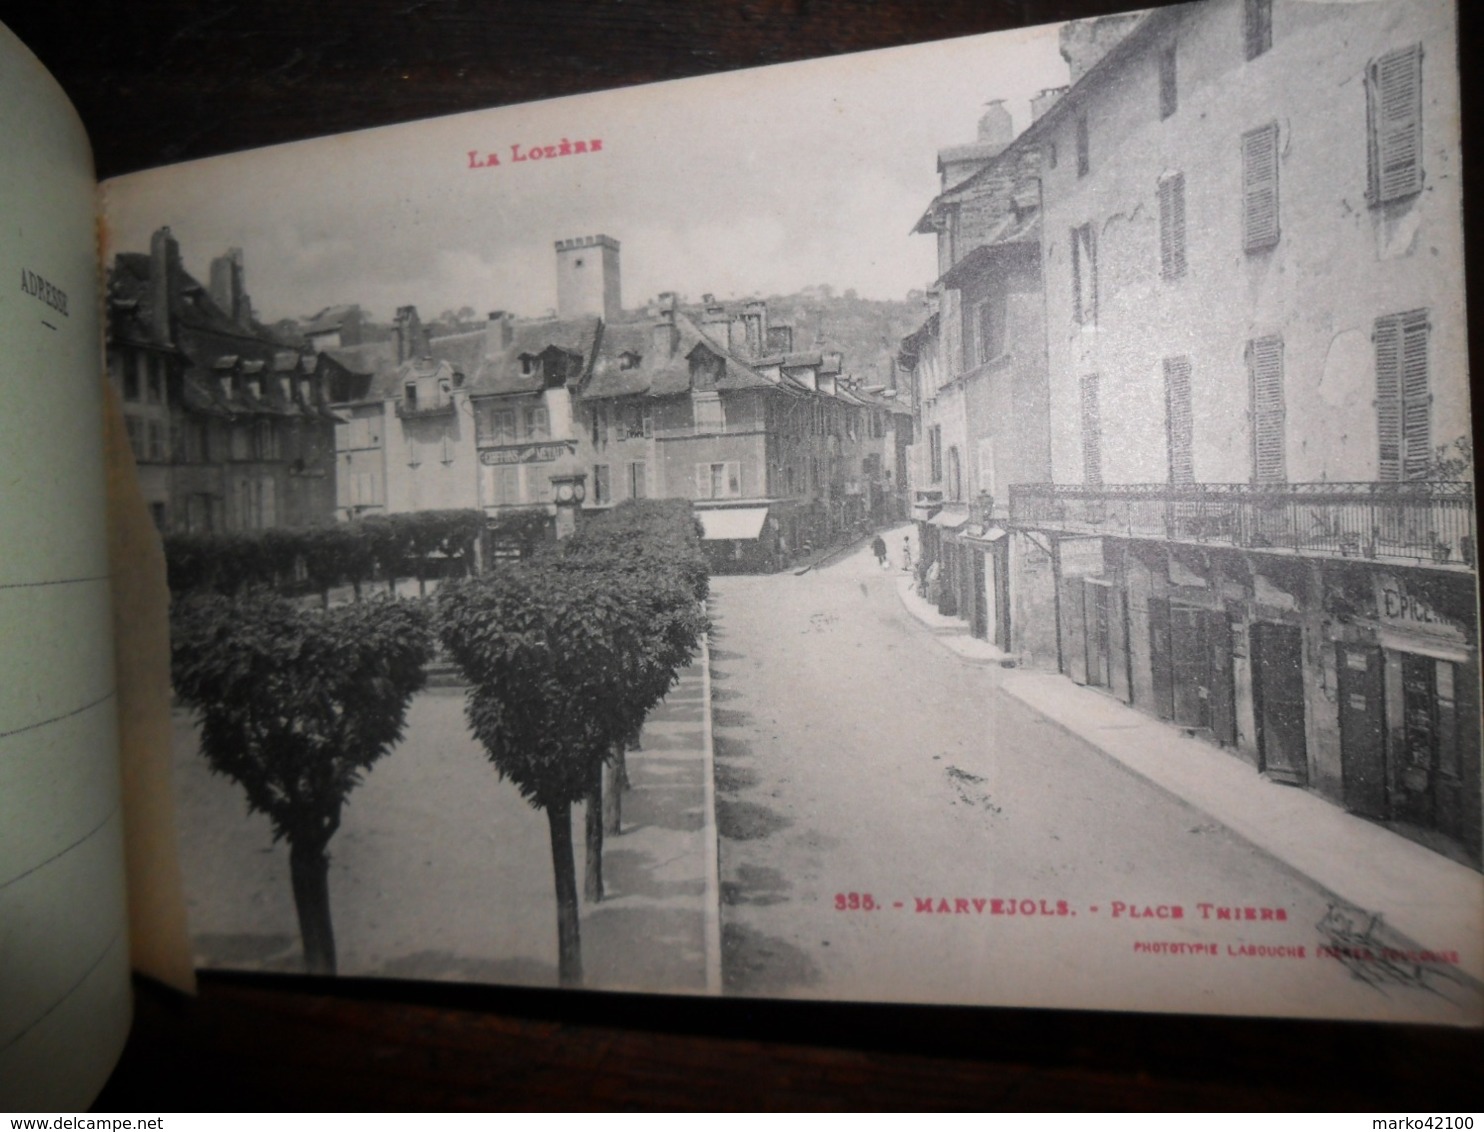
x=1412, y=522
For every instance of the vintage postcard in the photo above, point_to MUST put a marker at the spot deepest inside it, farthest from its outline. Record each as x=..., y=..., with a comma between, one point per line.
x=1068, y=432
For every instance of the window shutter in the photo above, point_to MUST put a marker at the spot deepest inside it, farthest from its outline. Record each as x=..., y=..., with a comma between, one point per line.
x=1092, y=455
x=1076, y=241
x=1259, y=27
x=1394, y=106
x=1260, y=187
x=1172, y=226
x=1169, y=91
x=1389, y=396
x=1178, y=423
x=1265, y=363
x=1416, y=396
x=703, y=481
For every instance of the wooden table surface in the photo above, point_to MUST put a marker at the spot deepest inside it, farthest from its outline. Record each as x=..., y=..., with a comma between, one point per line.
x=165, y=80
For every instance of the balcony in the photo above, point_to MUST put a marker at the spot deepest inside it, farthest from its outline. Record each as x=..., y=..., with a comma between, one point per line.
x=1416, y=523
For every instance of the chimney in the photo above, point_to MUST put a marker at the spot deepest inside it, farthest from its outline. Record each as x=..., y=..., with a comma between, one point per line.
x=164, y=269
x=664, y=336
x=1084, y=42
x=1044, y=100
x=228, y=289
x=780, y=339
x=715, y=322
x=408, y=333
x=755, y=322
x=499, y=331
x=588, y=278
x=995, y=127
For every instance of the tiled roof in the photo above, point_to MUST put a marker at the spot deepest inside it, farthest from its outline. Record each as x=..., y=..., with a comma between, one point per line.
x=666, y=376
x=500, y=370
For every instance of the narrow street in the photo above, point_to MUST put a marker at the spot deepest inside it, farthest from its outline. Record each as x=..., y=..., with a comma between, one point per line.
x=866, y=774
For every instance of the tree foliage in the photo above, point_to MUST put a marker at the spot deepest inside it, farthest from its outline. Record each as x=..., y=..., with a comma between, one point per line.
x=295, y=706
x=386, y=546
x=567, y=653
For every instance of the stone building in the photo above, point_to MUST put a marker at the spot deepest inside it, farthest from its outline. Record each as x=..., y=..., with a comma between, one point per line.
x=231, y=428
x=1260, y=507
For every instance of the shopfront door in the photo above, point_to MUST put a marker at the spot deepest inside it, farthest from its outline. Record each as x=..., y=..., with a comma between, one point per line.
x=1278, y=695
x=1362, y=728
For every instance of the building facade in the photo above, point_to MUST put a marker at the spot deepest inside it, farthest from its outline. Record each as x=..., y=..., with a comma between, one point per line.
x=979, y=371
x=1260, y=506
x=231, y=429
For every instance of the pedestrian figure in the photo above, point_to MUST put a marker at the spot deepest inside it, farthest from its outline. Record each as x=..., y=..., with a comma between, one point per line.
x=906, y=554
x=878, y=547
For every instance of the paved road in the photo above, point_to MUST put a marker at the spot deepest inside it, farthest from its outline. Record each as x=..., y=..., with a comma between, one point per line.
x=855, y=755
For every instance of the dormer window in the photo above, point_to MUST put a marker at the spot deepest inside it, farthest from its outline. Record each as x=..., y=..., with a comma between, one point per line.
x=530, y=365
x=255, y=387
x=409, y=395
x=445, y=390
x=285, y=390
x=628, y=360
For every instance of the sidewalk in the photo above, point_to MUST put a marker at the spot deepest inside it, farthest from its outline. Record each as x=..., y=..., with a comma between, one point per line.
x=658, y=926
x=1432, y=901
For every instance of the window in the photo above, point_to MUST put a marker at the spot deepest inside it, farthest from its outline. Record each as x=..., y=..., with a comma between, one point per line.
x=1084, y=275
x=265, y=441
x=241, y=440
x=935, y=453
x=1265, y=371
x=987, y=331
x=155, y=390
x=446, y=456
x=1051, y=155
x=1178, y=421
x=1260, y=187
x=530, y=365
x=955, y=475
x=267, y=503
x=504, y=483
x=602, y=490
x=709, y=414
x=719, y=480
x=1394, y=116
x=638, y=473
x=637, y=423
x=132, y=367
x=1258, y=27
x=1092, y=432
x=628, y=360
x=1403, y=396
x=135, y=429
x=156, y=435
x=1169, y=93
x=1172, y=226
x=409, y=396
x=538, y=423
x=414, y=457
x=495, y=426
x=1084, y=163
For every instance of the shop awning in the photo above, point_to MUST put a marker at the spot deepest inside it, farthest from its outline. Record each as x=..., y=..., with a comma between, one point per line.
x=734, y=522
x=950, y=520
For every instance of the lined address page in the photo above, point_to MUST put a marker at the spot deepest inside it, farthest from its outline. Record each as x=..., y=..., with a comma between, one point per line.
x=64, y=992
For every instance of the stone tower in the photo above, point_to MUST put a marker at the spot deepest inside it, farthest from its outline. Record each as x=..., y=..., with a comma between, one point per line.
x=588, y=278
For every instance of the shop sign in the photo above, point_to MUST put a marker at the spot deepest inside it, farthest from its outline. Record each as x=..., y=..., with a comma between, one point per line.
x=1081, y=557
x=1401, y=607
x=525, y=453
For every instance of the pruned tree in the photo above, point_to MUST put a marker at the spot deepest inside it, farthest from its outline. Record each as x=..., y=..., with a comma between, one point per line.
x=654, y=546
x=552, y=656
x=295, y=706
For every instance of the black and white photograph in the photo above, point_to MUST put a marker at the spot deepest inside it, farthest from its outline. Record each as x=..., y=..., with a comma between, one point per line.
x=988, y=522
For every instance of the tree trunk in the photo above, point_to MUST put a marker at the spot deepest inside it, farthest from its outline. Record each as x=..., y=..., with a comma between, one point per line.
x=613, y=787
x=310, y=868
x=594, y=821
x=324, y=598
x=569, y=934
x=356, y=585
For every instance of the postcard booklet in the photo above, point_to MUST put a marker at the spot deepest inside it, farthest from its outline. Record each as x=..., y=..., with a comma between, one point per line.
x=983, y=523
